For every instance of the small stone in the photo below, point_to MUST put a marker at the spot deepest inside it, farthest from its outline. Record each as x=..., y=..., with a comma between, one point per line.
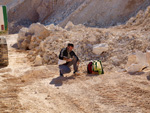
x=38, y=60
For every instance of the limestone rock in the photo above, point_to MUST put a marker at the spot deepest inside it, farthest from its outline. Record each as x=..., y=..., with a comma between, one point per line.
x=24, y=44
x=148, y=56
x=141, y=58
x=131, y=60
x=31, y=38
x=133, y=68
x=39, y=30
x=22, y=37
x=22, y=33
x=137, y=62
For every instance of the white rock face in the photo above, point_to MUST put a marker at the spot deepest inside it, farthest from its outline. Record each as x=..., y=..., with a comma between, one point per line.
x=103, y=13
x=99, y=48
x=60, y=12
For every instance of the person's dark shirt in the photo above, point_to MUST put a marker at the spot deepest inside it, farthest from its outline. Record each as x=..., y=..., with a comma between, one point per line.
x=65, y=54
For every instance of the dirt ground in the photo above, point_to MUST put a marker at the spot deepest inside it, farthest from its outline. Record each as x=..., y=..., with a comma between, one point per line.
x=28, y=89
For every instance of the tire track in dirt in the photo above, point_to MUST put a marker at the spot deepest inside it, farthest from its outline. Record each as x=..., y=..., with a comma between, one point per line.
x=9, y=84
x=9, y=102
x=10, y=87
x=19, y=73
x=125, y=94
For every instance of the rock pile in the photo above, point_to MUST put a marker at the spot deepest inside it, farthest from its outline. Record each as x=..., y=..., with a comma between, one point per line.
x=47, y=41
x=31, y=38
x=112, y=45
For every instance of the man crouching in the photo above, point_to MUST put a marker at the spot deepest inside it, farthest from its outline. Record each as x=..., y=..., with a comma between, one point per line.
x=67, y=58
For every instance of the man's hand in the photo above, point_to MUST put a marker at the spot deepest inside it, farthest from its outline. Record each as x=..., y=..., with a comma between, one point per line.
x=78, y=63
x=69, y=60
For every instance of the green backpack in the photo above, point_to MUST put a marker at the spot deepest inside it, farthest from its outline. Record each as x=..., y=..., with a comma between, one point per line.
x=97, y=67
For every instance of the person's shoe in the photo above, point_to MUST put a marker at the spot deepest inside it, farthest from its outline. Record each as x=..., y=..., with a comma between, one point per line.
x=61, y=75
x=76, y=73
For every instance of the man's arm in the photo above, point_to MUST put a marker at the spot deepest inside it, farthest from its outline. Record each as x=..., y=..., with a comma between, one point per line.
x=61, y=55
x=73, y=54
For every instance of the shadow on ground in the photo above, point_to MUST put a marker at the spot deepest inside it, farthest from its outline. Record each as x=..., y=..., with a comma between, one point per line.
x=15, y=46
x=137, y=73
x=59, y=80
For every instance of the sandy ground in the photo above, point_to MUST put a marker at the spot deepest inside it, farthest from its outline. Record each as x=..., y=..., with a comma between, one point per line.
x=28, y=89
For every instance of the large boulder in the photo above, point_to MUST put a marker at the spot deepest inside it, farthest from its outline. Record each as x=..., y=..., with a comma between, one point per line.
x=22, y=33
x=39, y=30
x=29, y=38
x=137, y=62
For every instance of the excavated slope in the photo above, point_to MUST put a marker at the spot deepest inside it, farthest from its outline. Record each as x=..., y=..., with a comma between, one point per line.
x=95, y=13
x=108, y=13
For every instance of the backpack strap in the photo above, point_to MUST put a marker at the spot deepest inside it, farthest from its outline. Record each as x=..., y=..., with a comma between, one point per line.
x=101, y=66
